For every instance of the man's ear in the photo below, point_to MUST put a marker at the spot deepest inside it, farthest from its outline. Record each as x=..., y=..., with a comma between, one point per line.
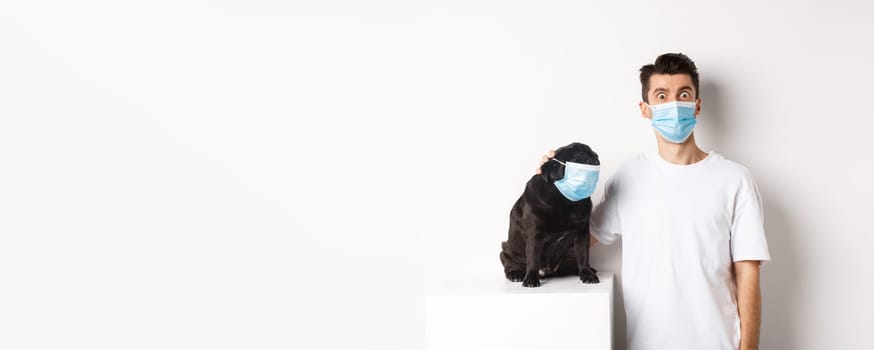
x=551, y=171
x=645, y=111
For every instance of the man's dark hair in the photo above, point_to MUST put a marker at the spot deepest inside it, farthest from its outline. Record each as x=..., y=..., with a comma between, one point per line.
x=669, y=63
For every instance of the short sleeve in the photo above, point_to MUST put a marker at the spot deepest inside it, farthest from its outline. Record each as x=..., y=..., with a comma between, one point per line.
x=747, y=224
x=604, y=223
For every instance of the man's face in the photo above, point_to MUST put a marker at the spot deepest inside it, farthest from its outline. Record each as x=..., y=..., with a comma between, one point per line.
x=669, y=87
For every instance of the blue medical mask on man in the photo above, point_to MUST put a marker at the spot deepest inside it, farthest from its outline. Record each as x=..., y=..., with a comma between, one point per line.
x=674, y=120
x=579, y=180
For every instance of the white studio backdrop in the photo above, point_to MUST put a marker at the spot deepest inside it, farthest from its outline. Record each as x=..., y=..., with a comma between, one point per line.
x=278, y=175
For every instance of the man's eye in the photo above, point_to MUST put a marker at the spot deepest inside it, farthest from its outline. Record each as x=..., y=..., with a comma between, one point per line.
x=660, y=96
x=684, y=95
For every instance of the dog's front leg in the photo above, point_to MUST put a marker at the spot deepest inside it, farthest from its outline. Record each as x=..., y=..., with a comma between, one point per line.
x=533, y=250
x=581, y=248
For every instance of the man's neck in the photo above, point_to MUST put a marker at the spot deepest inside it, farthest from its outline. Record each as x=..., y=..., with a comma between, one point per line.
x=680, y=153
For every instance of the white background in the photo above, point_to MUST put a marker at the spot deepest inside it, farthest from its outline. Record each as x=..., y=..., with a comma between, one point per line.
x=293, y=175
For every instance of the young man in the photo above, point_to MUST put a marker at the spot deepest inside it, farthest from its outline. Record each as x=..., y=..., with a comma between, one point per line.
x=691, y=224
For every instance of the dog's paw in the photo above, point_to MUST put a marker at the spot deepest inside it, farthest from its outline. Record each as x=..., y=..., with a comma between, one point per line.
x=515, y=276
x=533, y=281
x=589, y=277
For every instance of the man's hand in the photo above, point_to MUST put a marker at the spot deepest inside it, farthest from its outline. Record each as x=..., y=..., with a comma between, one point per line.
x=545, y=159
x=749, y=302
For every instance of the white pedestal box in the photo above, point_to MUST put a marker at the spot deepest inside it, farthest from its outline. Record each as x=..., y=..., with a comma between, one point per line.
x=484, y=312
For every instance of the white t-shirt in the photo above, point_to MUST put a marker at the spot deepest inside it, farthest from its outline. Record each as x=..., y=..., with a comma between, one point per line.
x=681, y=226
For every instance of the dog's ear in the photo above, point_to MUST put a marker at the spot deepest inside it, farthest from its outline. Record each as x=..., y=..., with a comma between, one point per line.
x=551, y=171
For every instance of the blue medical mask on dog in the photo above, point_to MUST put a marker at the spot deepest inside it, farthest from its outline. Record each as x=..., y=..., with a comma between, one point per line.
x=674, y=120
x=579, y=180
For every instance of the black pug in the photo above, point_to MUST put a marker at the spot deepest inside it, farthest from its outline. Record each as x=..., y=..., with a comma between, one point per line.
x=549, y=233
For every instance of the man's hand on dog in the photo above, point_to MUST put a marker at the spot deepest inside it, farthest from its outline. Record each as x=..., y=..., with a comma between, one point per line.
x=545, y=159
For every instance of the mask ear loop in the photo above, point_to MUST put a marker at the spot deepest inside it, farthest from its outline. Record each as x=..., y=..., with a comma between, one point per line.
x=560, y=162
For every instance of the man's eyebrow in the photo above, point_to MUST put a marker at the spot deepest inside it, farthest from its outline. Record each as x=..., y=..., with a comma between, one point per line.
x=685, y=87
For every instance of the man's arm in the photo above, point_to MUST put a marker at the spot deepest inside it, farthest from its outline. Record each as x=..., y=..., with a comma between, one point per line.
x=749, y=300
